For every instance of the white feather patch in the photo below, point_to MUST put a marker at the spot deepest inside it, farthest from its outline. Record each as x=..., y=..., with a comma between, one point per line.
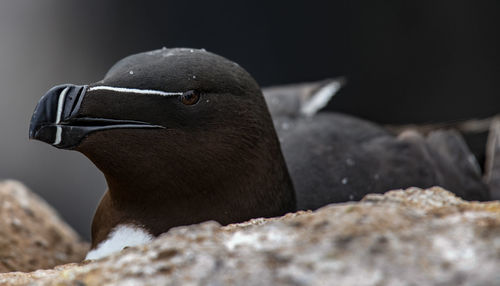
x=120, y=237
x=321, y=98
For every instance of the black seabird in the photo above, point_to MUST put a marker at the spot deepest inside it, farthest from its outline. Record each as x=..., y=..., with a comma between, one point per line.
x=184, y=136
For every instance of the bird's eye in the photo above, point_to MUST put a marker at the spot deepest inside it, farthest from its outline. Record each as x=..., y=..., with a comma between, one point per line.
x=190, y=97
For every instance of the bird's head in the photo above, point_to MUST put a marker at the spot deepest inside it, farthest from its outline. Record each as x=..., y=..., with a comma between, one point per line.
x=183, y=120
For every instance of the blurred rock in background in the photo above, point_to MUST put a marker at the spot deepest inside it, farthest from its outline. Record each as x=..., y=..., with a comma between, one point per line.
x=32, y=236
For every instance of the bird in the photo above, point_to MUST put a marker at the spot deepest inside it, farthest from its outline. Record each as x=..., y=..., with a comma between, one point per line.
x=184, y=136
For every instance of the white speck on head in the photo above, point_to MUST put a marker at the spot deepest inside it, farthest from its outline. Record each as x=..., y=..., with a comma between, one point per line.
x=351, y=197
x=191, y=50
x=376, y=176
x=349, y=162
x=321, y=98
x=133, y=90
x=208, y=100
x=120, y=237
x=345, y=181
x=60, y=105
x=131, y=72
x=194, y=77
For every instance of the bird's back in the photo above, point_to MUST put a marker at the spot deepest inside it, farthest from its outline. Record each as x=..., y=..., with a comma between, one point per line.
x=336, y=158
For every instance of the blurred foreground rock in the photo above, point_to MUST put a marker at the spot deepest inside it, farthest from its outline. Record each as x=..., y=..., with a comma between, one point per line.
x=412, y=237
x=32, y=236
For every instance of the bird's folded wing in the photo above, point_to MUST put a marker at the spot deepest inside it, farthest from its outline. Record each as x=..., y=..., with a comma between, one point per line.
x=492, y=168
x=304, y=99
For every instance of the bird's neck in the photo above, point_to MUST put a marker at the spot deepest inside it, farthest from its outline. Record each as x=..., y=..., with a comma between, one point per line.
x=160, y=189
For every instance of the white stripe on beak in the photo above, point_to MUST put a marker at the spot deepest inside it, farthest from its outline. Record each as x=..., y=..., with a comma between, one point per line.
x=60, y=105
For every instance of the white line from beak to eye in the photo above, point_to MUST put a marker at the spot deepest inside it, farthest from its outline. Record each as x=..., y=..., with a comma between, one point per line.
x=133, y=90
x=60, y=105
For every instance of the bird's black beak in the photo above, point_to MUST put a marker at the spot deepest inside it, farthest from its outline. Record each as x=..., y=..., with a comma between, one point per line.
x=56, y=119
x=58, y=105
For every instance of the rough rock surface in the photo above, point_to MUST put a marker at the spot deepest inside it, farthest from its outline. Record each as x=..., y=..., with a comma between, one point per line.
x=412, y=237
x=32, y=236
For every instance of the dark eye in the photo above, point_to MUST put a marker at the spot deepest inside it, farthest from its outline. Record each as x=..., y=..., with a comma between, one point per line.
x=190, y=97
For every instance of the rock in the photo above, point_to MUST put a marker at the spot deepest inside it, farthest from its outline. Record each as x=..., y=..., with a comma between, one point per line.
x=411, y=237
x=32, y=236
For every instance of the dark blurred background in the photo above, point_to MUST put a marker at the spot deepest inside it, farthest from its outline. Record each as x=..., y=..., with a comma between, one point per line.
x=406, y=62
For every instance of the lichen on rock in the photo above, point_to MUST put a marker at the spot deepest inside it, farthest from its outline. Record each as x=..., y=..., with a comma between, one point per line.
x=404, y=237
